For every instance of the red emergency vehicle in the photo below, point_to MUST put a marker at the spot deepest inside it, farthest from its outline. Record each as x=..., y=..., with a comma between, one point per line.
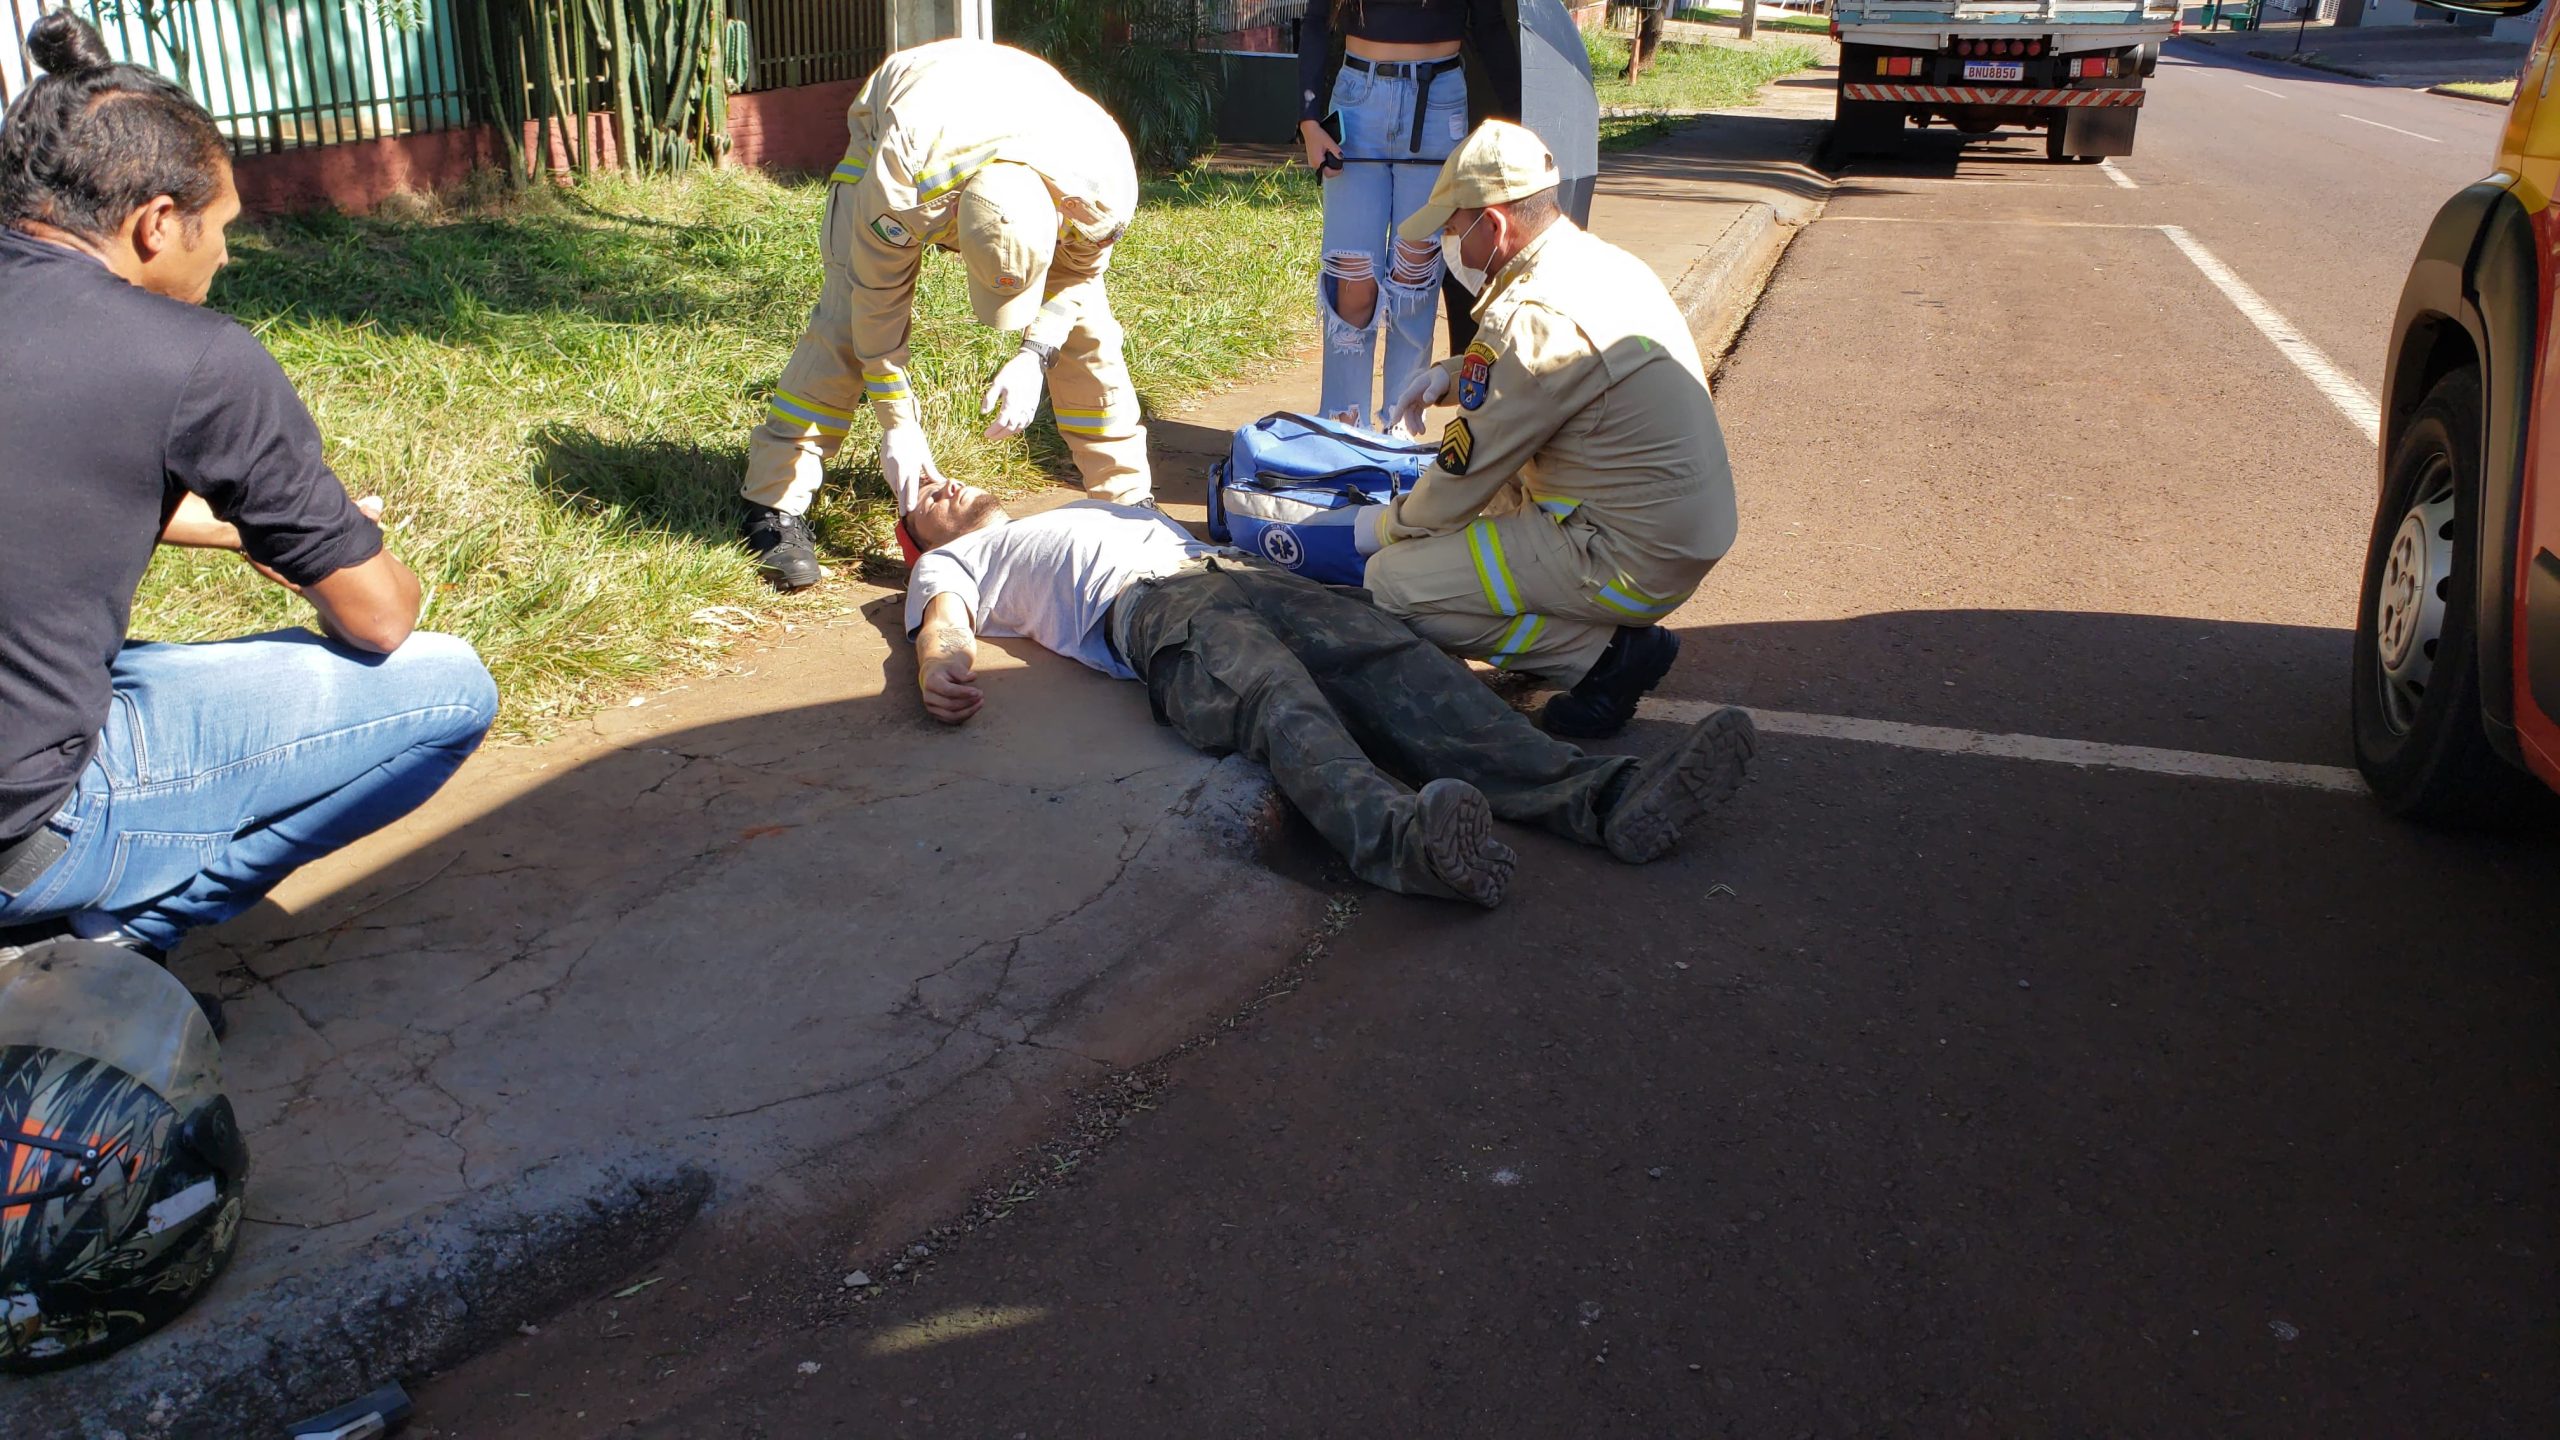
x=2457, y=648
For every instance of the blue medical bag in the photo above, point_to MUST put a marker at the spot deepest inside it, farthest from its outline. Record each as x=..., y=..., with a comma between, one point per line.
x=1289, y=489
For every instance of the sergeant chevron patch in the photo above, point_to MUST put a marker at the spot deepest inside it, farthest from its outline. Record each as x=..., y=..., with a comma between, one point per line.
x=1457, y=446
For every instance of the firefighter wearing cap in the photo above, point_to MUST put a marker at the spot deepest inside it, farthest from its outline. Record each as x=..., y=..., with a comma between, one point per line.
x=979, y=149
x=1581, y=489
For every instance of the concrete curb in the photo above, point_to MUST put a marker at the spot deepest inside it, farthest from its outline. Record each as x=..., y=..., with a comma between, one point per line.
x=2474, y=99
x=428, y=1295
x=1716, y=294
x=1718, y=290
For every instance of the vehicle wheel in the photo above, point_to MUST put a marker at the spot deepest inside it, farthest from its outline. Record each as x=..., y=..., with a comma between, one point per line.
x=2147, y=58
x=2418, y=733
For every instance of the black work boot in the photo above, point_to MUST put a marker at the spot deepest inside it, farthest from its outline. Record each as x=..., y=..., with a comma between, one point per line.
x=1457, y=841
x=783, y=548
x=1602, y=704
x=1674, y=791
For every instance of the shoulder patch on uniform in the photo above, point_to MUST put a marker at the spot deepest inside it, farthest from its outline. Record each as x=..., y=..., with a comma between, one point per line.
x=888, y=228
x=1475, y=376
x=1457, y=446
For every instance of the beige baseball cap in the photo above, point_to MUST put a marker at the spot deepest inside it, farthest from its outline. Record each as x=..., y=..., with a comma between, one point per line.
x=1007, y=230
x=1499, y=163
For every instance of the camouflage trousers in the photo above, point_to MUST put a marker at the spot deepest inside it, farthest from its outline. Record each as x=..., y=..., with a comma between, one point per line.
x=1350, y=710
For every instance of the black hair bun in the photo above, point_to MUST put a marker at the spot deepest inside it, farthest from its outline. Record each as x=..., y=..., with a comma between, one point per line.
x=65, y=44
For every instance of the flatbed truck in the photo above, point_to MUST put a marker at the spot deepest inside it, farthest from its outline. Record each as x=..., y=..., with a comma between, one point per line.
x=2073, y=69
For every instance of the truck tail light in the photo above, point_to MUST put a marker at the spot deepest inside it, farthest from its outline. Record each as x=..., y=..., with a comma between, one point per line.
x=1898, y=65
x=2091, y=69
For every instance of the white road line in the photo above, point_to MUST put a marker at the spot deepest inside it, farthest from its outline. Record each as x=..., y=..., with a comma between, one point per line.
x=2394, y=129
x=2263, y=90
x=2117, y=175
x=2352, y=399
x=2087, y=754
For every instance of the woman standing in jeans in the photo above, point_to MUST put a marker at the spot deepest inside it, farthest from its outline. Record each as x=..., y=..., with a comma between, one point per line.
x=1390, y=76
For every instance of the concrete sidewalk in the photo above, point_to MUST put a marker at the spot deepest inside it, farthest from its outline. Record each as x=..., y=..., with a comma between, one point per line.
x=2409, y=55
x=770, y=942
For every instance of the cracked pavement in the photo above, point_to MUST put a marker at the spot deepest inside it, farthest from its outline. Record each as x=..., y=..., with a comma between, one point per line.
x=739, y=927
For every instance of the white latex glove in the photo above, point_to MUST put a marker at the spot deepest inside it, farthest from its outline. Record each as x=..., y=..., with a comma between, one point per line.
x=906, y=462
x=1369, y=529
x=1422, y=391
x=1014, y=398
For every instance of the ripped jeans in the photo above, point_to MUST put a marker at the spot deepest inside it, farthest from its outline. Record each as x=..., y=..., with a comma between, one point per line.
x=1362, y=205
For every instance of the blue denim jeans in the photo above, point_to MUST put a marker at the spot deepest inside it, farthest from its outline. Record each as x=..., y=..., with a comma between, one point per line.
x=222, y=768
x=1362, y=205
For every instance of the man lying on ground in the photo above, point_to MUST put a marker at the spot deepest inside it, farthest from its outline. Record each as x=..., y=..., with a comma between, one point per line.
x=148, y=789
x=1342, y=702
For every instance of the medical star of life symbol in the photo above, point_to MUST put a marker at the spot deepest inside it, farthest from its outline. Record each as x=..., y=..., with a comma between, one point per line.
x=1280, y=545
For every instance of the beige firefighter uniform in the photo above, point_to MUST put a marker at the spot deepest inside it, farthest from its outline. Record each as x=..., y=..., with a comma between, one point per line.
x=926, y=122
x=1581, y=484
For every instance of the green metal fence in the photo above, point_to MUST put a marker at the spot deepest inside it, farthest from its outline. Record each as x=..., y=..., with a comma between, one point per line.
x=283, y=74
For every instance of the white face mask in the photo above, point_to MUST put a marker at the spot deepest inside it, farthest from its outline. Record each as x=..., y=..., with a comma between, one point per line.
x=1450, y=248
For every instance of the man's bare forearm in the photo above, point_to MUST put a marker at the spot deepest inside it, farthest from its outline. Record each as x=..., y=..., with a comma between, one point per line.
x=194, y=525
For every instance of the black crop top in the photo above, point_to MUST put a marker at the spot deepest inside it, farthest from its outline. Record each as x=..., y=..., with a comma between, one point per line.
x=1479, y=26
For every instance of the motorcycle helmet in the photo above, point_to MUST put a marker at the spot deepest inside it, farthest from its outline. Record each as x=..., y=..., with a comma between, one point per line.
x=121, y=1164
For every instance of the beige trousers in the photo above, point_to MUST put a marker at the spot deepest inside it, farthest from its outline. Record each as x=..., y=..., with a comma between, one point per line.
x=822, y=390
x=1512, y=590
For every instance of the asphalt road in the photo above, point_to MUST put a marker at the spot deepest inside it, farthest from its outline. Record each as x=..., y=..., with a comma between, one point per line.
x=1930, y=1094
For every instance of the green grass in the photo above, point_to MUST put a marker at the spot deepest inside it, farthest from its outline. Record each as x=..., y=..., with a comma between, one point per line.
x=1681, y=80
x=2502, y=91
x=1770, y=19
x=553, y=394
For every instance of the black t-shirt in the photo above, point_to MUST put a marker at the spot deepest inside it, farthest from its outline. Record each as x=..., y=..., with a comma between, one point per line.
x=114, y=402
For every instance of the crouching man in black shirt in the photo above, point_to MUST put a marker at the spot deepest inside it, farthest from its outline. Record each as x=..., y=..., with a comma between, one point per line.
x=147, y=789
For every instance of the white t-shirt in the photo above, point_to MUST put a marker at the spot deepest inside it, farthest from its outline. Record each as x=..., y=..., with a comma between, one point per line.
x=1051, y=578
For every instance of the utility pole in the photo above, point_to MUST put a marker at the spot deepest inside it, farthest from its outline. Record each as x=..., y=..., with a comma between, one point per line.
x=1750, y=18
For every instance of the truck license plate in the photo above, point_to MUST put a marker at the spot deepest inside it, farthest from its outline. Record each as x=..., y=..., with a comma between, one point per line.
x=1994, y=70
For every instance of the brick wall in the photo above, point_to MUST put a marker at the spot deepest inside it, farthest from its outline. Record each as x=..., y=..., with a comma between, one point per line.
x=795, y=130
x=791, y=130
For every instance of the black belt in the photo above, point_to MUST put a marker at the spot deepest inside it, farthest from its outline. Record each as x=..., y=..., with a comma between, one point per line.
x=24, y=861
x=1423, y=72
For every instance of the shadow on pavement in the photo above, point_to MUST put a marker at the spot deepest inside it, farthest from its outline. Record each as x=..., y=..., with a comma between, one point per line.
x=2275, y=692
x=1923, y=1094
x=727, y=947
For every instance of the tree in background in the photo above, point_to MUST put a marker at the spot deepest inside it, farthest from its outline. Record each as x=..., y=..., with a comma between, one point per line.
x=1646, y=40
x=1140, y=58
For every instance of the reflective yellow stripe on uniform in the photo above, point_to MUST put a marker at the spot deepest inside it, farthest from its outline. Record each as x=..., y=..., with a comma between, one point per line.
x=954, y=175
x=1091, y=422
x=1557, y=505
x=792, y=409
x=1522, y=634
x=884, y=384
x=1622, y=596
x=851, y=169
x=1492, y=570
